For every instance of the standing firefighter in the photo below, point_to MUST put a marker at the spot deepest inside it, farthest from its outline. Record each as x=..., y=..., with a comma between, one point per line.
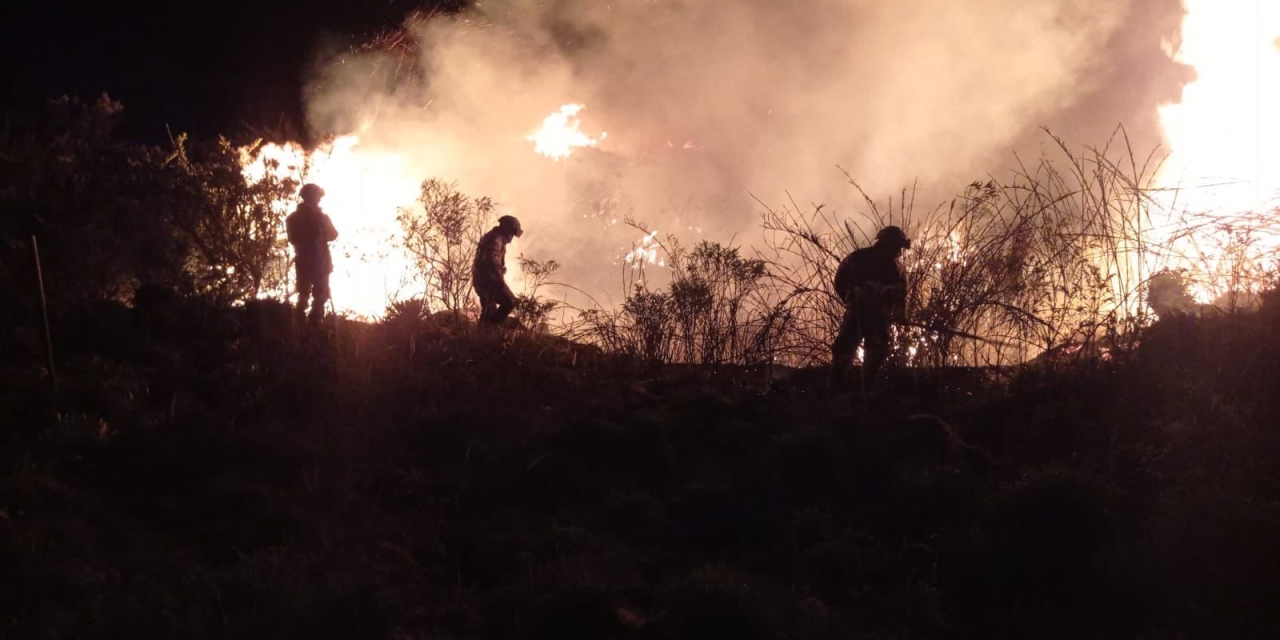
x=310, y=232
x=873, y=287
x=489, y=269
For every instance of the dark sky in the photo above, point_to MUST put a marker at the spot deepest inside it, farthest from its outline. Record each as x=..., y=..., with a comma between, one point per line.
x=204, y=67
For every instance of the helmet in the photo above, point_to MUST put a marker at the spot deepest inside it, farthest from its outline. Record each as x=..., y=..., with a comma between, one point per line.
x=893, y=236
x=510, y=225
x=311, y=192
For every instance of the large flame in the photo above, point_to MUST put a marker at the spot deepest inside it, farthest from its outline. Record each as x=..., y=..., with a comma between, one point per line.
x=1224, y=170
x=561, y=133
x=364, y=190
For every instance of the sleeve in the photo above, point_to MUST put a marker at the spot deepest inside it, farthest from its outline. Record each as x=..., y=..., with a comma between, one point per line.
x=291, y=229
x=485, y=256
x=330, y=231
x=498, y=255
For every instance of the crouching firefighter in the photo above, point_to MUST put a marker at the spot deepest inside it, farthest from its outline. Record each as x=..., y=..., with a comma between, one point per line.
x=873, y=287
x=310, y=231
x=489, y=271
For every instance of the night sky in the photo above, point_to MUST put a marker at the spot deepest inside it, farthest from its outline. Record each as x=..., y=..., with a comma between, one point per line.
x=205, y=68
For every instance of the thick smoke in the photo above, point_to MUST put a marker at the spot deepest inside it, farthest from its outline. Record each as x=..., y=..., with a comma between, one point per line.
x=706, y=103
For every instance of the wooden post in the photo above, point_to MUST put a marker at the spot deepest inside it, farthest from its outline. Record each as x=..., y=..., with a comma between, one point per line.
x=44, y=310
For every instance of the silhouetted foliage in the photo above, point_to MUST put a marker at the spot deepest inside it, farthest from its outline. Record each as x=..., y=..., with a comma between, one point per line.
x=713, y=310
x=533, y=312
x=206, y=472
x=442, y=237
x=238, y=236
x=113, y=215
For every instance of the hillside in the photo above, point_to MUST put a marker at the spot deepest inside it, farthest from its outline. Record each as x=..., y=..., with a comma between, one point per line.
x=215, y=473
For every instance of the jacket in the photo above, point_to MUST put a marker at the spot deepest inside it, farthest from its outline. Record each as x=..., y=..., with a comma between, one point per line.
x=310, y=231
x=490, y=263
x=873, y=279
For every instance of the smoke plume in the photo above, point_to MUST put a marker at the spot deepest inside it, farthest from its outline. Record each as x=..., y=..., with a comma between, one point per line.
x=706, y=103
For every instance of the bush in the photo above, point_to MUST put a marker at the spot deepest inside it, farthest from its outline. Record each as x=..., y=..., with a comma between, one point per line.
x=711, y=312
x=113, y=215
x=442, y=238
x=532, y=312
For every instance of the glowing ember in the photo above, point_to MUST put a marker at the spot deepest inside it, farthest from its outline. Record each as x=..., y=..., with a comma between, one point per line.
x=561, y=133
x=363, y=192
x=1225, y=135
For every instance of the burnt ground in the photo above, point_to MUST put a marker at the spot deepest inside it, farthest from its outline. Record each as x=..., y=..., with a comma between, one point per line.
x=214, y=473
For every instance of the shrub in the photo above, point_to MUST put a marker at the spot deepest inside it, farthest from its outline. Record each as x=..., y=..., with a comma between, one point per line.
x=442, y=238
x=712, y=311
x=112, y=215
x=533, y=312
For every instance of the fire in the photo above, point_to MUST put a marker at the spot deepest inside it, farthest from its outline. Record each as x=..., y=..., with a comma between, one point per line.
x=1225, y=139
x=364, y=189
x=561, y=133
x=645, y=251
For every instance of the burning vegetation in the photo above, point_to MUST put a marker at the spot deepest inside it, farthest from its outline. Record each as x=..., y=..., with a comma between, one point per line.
x=650, y=449
x=1061, y=252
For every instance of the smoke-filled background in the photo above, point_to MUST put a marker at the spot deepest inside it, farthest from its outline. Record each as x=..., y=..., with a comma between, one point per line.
x=707, y=104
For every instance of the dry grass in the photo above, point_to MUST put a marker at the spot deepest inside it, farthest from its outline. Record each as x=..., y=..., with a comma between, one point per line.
x=1057, y=258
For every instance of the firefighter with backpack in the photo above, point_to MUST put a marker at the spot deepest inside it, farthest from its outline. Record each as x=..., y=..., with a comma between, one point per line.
x=873, y=286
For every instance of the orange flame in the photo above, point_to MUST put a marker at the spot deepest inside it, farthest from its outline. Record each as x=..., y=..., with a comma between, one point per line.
x=561, y=133
x=1225, y=139
x=364, y=190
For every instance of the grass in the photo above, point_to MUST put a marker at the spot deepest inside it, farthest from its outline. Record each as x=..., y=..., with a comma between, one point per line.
x=1068, y=254
x=673, y=468
x=417, y=479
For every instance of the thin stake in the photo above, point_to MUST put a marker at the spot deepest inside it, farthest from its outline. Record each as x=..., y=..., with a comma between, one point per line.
x=333, y=317
x=44, y=310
